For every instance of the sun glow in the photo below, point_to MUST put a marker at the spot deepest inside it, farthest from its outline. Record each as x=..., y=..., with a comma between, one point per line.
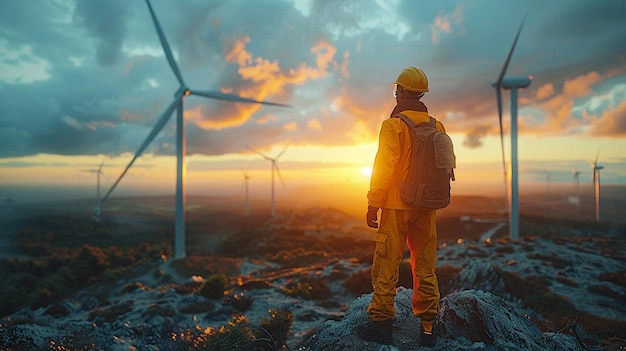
x=366, y=171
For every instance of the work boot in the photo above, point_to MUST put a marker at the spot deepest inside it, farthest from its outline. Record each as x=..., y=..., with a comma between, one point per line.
x=377, y=331
x=428, y=339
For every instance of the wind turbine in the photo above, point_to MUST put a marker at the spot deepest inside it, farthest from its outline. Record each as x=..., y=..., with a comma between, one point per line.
x=96, y=215
x=181, y=144
x=512, y=84
x=577, y=181
x=596, y=183
x=274, y=169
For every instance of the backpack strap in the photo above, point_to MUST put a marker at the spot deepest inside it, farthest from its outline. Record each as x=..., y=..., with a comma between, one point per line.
x=406, y=120
x=432, y=123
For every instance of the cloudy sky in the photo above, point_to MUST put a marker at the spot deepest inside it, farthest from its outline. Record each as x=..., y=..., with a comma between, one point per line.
x=81, y=81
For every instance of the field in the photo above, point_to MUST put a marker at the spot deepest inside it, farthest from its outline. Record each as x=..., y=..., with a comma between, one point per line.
x=54, y=251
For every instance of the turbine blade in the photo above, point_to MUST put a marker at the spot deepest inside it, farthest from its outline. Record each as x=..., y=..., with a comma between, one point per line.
x=597, y=155
x=275, y=165
x=166, y=46
x=499, y=100
x=508, y=58
x=256, y=152
x=101, y=164
x=155, y=130
x=282, y=152
x=235, y=98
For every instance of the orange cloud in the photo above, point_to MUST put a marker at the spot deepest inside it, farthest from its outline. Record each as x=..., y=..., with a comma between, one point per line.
x=612, y=123
x=581, y=85
x=265, y=78
x=314, y=124
x=197, y=115
x=290, y=126
x=443, y=23
x=344, y=66
x=559, y=109
x=239, y=53
x=545, y=91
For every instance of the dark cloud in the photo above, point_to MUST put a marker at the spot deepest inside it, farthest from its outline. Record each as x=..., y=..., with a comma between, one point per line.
x=107, y=81
x=474, y=136
x=106, y=22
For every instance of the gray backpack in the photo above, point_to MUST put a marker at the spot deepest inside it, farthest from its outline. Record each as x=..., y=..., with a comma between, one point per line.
x=431, y=167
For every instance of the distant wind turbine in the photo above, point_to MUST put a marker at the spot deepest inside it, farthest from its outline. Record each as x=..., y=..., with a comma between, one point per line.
x=274, y=170
x=98, y=172
x=576, y=182
x=177, y=104
x=596, y=183
x=512, y=84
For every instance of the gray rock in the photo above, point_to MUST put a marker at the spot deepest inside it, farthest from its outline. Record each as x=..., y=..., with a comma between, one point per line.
x=468, y=320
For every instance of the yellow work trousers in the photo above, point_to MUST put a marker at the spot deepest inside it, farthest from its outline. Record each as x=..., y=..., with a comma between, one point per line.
x=418, y=230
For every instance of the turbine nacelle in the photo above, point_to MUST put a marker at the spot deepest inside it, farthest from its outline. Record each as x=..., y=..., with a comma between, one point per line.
x=182, y=91
x=514, y=82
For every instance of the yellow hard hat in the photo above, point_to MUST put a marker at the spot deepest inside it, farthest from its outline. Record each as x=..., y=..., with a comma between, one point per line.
x=413, y=79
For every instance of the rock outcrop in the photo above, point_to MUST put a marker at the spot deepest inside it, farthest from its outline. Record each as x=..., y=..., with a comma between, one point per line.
x=468, y=320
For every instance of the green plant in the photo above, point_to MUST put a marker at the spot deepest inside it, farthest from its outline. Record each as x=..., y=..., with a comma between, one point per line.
x=277, y=325
x=239, y=301
x=214, y=287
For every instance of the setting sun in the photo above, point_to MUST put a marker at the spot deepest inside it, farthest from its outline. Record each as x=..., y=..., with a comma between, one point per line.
x=366, y=171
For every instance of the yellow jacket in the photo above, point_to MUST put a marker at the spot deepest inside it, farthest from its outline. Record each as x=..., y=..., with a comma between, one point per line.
x=392, y=161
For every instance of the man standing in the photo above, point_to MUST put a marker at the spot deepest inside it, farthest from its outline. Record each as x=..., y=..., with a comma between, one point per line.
x=401, y=224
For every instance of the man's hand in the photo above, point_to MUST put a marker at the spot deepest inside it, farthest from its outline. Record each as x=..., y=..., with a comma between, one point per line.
x=372, y=217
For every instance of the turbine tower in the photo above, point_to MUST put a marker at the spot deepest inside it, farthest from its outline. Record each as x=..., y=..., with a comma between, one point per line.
x=576, y=182
x=512, y=84
x=596, y=183
x=96, y=215
x=274, y=170
x=181, y=144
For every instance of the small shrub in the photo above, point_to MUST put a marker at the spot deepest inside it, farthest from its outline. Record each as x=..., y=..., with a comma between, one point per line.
x=311, y=287
x=236, y=335
x=240, y=302
x=277, y=325
x=214, y=287
x=187, y=288
x=297, y=289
